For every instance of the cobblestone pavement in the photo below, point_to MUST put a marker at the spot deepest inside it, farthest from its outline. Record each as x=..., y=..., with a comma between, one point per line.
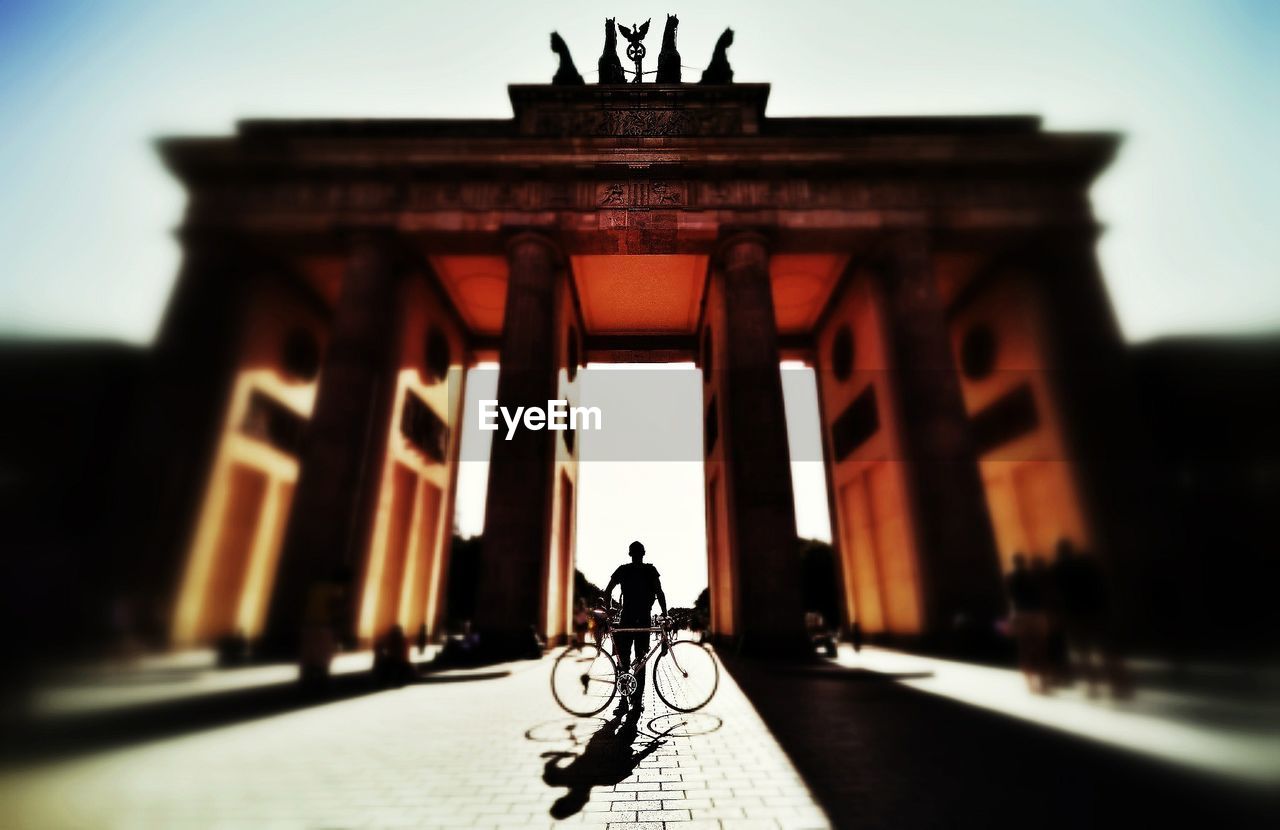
x=482, y=749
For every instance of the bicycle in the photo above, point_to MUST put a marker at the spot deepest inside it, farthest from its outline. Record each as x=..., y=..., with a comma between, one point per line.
x=585, y=680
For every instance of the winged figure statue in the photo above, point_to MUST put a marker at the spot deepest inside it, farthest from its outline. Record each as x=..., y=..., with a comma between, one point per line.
x=635, y=49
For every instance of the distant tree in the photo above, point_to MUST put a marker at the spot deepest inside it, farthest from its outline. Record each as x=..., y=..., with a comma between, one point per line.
x=702, y=605
x=584, y=588
x=684, y=617
x=462, y=592
x=819, y=586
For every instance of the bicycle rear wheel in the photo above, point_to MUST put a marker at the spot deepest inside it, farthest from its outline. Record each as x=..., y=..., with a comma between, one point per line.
x=584, y=680
x=686, y=676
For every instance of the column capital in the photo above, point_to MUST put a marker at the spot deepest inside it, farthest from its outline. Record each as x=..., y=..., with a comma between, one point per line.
x=893, y=243
x=740, y=236
x=369, y=235
x=896, y=254
x=529, y=236
x=373, y=249
x=733, y=239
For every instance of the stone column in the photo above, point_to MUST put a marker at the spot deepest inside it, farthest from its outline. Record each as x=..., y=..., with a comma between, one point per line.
x=174, y=432
x=343, y=449
x=518, y=506
x=1154, y=584
x=959, y=566
x=769, y=612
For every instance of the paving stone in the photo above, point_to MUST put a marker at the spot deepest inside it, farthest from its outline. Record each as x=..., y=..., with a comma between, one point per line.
x=718, y=812
x=663, y=815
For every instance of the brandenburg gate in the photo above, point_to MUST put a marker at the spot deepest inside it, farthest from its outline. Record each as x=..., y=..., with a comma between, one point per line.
x=340, y=276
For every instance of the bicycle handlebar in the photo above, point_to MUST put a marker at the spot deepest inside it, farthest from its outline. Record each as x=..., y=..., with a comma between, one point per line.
x=612, y=618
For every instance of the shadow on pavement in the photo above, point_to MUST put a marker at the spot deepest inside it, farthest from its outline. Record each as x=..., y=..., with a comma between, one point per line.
x=879, y=754
x=608, y=757
x=573, y=730
x=26, y=741
x=835, y=672
x=462, y=678
x=685, y=725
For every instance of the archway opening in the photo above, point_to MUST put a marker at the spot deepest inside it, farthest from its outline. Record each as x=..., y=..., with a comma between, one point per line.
x=642, y=477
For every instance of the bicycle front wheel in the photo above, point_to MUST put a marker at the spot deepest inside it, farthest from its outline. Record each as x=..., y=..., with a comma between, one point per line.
x=584, y=680
x=686, y=676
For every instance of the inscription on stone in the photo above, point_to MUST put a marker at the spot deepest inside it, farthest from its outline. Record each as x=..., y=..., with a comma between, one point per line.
x=639, y=122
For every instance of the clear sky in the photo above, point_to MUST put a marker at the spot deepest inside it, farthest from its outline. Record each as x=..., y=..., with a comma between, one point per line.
x=86, y=85
x=85, y=208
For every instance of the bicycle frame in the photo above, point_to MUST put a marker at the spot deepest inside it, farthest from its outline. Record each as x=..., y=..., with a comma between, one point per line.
x=663, y=641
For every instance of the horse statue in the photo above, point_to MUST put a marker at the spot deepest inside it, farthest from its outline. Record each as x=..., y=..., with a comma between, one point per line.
x=669, y=58
x=719, y=71
x=567, y=73
x=610, y=66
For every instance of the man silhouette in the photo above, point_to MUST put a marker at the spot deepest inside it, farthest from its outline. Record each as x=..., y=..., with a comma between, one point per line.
x=641, y=584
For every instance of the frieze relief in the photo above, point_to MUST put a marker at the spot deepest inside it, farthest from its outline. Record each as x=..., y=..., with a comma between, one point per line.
x=627, y=192
x=665, y=193
x=643, y=121
x=613, y=194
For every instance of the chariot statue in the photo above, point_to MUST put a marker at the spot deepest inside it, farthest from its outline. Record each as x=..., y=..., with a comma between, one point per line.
x=610, y=69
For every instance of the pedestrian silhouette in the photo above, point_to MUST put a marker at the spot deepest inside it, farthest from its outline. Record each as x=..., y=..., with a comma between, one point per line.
x=1029, y=623
x=391, y=665
x=641, y=585
x=1057, y=660
x=1086, y=619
